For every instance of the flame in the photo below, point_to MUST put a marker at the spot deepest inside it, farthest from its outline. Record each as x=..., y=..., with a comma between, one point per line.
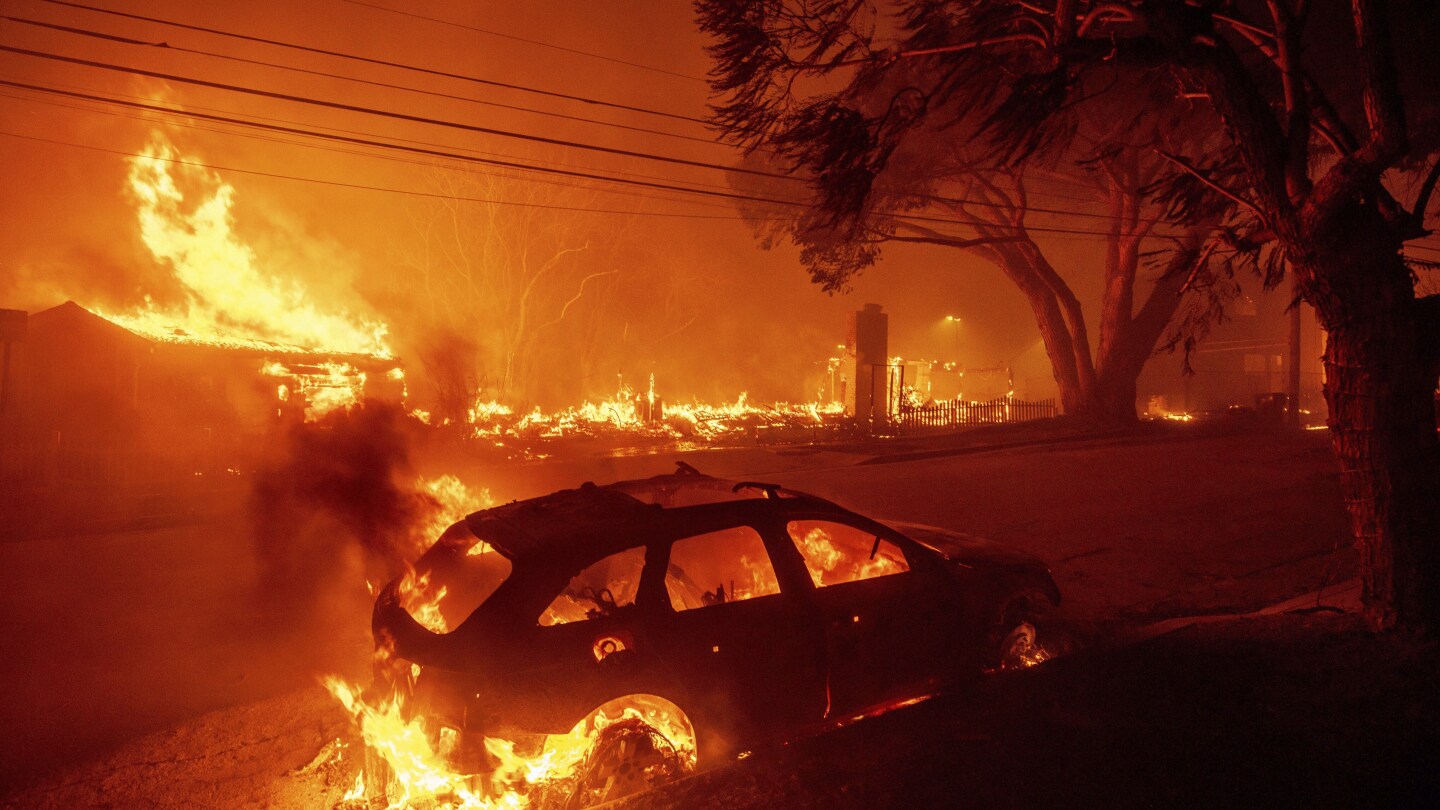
x=1022, y=650
x=420, y=776
x=643, y=414
x=453, y=501
x=324, y=387
x=230, y=299
x=357, y=791
x=829, y=565
x=416, y=750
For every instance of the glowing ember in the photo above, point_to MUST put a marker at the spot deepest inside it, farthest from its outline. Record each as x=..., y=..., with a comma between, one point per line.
x=1021, y=650
x=632, y=414
x=325, y=387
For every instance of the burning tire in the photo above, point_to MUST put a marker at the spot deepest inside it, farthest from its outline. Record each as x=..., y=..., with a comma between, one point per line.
x=1016, y=640
x=627, y=757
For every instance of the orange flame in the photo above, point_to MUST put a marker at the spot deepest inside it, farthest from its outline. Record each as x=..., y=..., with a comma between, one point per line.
x=231, y=299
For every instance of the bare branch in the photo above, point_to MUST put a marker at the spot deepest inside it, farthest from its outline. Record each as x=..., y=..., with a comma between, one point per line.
x=1190, y=169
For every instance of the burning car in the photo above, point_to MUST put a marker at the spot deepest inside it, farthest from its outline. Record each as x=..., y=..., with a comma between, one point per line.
x=647, y=626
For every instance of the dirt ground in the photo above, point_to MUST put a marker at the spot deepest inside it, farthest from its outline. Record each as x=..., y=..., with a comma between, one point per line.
x=142, y=679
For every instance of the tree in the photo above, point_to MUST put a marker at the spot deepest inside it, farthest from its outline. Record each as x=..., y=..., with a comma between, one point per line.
x=889, y=165
x=1314, y=150
x=522, y=286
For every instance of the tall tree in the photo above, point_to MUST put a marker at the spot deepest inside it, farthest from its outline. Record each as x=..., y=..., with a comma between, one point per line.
x=1321, y=107
x=888, y=164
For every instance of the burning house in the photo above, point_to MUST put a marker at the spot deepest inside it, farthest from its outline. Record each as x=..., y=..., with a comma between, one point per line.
x=100, y=401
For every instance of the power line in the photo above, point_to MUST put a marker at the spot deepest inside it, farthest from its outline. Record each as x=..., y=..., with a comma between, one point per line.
x=507, y=174
x=413, y=149
x=437, y=153
x=719, y=167
x=192, y=107
x=326, y=74
x=361, y=186
x=399, y=116
x=581, y=99
x=536, y=138
x=537, y=42
x=375, y=61
x=772, y=175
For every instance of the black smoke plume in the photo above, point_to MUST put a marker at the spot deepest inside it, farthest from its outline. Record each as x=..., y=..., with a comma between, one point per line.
x=330, y=492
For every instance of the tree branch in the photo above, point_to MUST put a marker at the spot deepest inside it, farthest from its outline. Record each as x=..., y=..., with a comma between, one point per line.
x=1190, y=169
x=1384, y=115
x=931, y=237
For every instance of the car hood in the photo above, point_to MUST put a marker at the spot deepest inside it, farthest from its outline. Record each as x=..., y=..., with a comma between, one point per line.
x=967, y=549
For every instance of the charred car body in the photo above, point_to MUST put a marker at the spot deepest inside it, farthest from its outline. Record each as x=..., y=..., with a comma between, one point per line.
x=755, y=613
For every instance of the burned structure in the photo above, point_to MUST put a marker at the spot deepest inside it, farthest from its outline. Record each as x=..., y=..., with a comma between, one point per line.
x=94, y=403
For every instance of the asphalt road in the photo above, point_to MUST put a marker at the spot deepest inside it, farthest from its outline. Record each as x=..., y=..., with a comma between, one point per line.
x=114, y=636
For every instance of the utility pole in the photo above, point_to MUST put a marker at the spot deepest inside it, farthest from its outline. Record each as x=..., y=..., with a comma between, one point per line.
x=13, y=323
x=1292, y=416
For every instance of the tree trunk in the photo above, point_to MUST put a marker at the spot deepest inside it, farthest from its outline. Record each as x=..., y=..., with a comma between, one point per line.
x=1114, y=399
x=1382, y=418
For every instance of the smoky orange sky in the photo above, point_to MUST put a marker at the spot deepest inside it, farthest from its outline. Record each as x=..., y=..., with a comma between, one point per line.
x=690, y=296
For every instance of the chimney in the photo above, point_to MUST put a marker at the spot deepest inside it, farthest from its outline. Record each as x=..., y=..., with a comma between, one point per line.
x=866, y=358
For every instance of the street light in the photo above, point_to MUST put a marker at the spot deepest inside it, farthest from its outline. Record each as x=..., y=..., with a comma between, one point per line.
x=954, y=322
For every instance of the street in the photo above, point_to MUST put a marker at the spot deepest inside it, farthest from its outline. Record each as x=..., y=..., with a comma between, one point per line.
x=1136, y=529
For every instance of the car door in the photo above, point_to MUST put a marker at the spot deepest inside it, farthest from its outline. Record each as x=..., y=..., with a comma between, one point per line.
x=746, y=651
x=888, y=616
x=589, y=644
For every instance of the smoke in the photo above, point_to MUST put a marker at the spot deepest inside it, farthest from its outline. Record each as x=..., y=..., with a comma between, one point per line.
x=335, y=494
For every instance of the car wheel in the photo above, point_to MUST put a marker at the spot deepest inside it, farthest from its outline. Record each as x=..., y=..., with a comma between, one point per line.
x=627, y=757
x=1017, y=642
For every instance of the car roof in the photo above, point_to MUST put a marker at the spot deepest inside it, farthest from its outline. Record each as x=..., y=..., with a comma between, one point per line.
x=592, y=521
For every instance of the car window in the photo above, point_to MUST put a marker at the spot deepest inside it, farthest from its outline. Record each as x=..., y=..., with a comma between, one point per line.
x=452, y=579
x=836, y=553
x=718, y=567
x=599, y=590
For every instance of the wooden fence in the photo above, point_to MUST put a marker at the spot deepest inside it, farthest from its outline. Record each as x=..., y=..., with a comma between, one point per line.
x=954, y=413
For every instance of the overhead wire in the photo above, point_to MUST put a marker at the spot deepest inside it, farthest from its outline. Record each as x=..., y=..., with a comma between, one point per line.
x=769, y=174
x=511, y=164
x=373, y=60
x=343, y=106
x=396, y=138
x=516, y=38
x=359, y=186
x=502, y=173
x=167, y=46
x=391, y=114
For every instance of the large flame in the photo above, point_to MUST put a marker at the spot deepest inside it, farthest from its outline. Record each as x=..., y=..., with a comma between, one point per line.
x=418, y=771
x=419, y=774
x=230, y=299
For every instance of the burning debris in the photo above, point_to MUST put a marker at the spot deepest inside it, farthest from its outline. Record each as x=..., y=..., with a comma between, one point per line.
x=644, y=416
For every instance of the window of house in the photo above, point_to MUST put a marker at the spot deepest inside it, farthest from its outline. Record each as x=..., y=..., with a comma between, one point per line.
x=836, y=553
x=718, y=567
x=602, y=588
